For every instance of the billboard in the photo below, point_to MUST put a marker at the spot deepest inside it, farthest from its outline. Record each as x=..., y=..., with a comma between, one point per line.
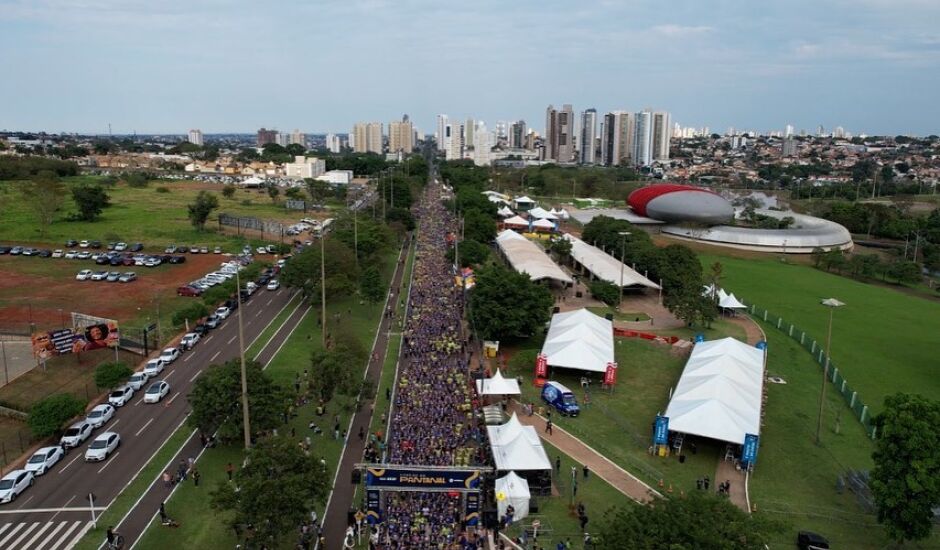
x=52, y=343
x=472, y=515
x=610, y=375
x=373, y=507
x=541, y=366
x=88, y=333
x=405, y=479
x=661, y=430
x=749, y=449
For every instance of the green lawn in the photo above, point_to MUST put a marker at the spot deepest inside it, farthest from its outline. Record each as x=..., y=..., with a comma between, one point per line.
x=883, y=341
x=618, y=315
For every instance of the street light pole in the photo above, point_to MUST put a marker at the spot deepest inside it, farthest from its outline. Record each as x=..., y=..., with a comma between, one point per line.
x=323, y=286
x=832, y=304
x=246, y=424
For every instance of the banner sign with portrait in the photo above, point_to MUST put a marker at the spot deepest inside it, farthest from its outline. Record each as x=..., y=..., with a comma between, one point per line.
x=52, y=343
x=93, y=333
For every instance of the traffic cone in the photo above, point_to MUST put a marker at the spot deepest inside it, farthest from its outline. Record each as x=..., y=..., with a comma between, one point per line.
x=661, y=483
x=669, y=490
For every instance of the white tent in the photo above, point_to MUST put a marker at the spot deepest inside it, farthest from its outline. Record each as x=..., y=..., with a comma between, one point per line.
x=729, y=301
x=520, y=454
x=719, y=393
x=507, y=432
x=579, y=340
x=604, y=266
x=543, y=224
x=523, y=202
x=253, y=181
x=497, y=385
x=517, y=221
x=512, y=490
x=540, y=213
x=505, y=212
x=527, y=257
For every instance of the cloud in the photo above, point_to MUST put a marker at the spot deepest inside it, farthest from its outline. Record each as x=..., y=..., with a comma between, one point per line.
x=682, y=30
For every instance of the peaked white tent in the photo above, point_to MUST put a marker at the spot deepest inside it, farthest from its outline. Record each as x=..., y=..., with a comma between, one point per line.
x=543, y=224
x=507, y=432
x=527, y=257
x=579, y=340
x=730, y=301
x=719, y=393
x=497, y=385
x=505, y=212
x=517, y=221
x=540, y=213
x=523, y=203
x=520, y=454
x=604, y=266
x=512, y=490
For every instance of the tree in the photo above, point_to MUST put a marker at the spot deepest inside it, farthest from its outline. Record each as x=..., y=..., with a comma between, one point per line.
x=47, y=416
x=303, y=271
x=294, y=193
x=697, y=520
x=605, y=292
x=370, y=285
x=90, y=200
x=561, y=248
x=330, y=371
x=471, y=253
x=228, y=191
x=479, y=226
x=275, y=490
x=44, y=195
x=135, y=179
x=216, y=400
x=191, y=312
x=506, y=304
x=199, y=210
x=295, y=150
x=110, y=375
x=905, y=272
x=318, y=190
x=905, y=481
x=273, y=192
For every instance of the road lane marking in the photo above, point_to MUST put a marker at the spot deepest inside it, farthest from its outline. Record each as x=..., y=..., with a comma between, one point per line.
x=209, y=337
x=279, y=292
x=169, y=374
x=175, y=395
x=139, y=401
x=25, y=533
x=109, y=461
x=4, y=528
x=214, y=356
x=65, y=535
x=50, y=510
x=195, y=376
x=259, y=313
x=188, y=355
x=10, y=535
x=69, y=464
x=143, y=428
x=232, y=339
x=67, y=502
x=283, y=324
x=269, y=302
x=113, y=424
x=30, y=542
x=49, y=538
x=29, y=499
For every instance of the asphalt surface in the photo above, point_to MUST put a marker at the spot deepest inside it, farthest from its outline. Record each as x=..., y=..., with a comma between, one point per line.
x=54, y=513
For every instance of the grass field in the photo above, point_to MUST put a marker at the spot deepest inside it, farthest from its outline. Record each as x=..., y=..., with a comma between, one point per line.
x=883, y=341
x=629, y=316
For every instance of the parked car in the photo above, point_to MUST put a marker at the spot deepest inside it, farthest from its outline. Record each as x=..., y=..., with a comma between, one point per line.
x=111, y=245
x=189, y=340
x=120, y=247
x=261, y=250
x=157, y=391
x=246, y=250
x=128, y=261
x=113, y=277
x=100, y=415
x=807, y=540
x=121, y=396
x=16, y=251
x=83, y=255
x=102, y=447
x=71, y=243
x=99, y=275
x=13, y=484
x=223, y=312
x=5, y=249
x=95, y=244
x=194, y=250
x=169, y=355
x=75, y=434
x=560, y=398
x=70, y=255
x=201, y=329
x=137, y=380
x=182, y=249
x=154, y=367
x=188, y=290
x=83, y=244
x=170, y=249
x=217, y=250
x=45, y=253
x=177, y=260
x=213, y=321
x=57, y=253
x=44, y=459
x=204, y=250
x=128, y=277
x=137, y=247
x=83, y=275
x=153, y=262
x=104, y=259
x=273, y=284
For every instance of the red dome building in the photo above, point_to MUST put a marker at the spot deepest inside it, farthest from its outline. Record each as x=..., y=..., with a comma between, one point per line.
x=675, y=203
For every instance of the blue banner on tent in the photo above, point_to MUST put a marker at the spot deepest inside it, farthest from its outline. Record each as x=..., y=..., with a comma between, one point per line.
x=422, y=479
x=373, y=507
x=661, y=431
x=762, y=345
x=472, y=516
x=749, y=450
x=699, y=338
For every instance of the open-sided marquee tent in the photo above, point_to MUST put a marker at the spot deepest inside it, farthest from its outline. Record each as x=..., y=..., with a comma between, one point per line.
x=604, y=266
x=579, y=340
x=498, y=385
x=719, y=393
x=527, y=257
x=514, y=490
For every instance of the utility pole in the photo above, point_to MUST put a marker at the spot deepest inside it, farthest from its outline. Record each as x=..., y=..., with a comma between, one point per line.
x=323, y=286
x=246, y=423
x=832, y=304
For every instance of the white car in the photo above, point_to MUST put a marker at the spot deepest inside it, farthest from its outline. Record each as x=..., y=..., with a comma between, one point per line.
x=120, y=247
x=189, y=340
x=83, y=244
x=223, y=312
x=121, y=396
x=273, y=284
x=102, y=447
x=43, y=459
x=137, y=380
x=75, y=435
x=100, y=415
x=157, y=391
x=169, y=355
x=57, y=253
x=14, y=483
x=261, y=250
x=83, y=275
x=154, y=367
x=70, y=255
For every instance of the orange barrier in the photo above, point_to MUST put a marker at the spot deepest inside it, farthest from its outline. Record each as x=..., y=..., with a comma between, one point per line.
x=645, y=335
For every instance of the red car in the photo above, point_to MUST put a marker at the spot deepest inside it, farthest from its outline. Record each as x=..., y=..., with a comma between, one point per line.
x=188, y=291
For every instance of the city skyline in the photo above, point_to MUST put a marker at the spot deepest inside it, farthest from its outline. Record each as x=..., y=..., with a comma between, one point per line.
x=866, y=65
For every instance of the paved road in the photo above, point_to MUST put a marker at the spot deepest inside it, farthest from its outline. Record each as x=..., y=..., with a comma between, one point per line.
x=55, y=513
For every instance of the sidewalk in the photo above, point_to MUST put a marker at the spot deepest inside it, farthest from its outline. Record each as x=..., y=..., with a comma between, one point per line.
x=600, y=465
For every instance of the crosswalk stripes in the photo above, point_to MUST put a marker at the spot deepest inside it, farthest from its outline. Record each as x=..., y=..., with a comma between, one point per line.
x=41, y=535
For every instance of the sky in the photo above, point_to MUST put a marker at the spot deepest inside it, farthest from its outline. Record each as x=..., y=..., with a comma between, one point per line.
x=145, y=66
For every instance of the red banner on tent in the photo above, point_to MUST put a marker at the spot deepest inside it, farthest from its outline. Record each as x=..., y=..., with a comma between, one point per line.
x=541, y=366
x=610, y=375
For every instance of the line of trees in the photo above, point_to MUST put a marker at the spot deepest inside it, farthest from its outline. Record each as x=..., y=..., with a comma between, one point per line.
x=20, y=168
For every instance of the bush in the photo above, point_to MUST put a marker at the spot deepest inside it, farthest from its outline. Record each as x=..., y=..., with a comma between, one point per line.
x=162, y=189
x=246, y=202
x=109, y=375
x=136, y=180
x=47, y=416
x=228, y=191
x=191, y=312
x=219, y=293
x=605, y=292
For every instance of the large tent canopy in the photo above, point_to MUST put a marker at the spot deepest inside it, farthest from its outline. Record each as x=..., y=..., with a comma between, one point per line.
x=527, y=257
x=512, y=490
x=540, y=213
x=719, y=393
x=604, y=266
x=517, y=221
x=498, y=385
x=517, y=447
x=579, y=340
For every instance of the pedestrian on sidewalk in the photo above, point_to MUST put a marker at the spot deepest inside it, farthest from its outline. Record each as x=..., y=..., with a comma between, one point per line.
x=557, y=464
x=584, y=469
x=548, y=427
x=163, y=517
x=229, y=470
x=196, y=477
x=167, y=479
x=362, y=433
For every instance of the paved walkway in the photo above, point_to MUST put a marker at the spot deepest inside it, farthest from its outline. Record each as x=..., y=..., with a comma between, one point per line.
x=753, y=331
x=726, y=472
x=600, y=465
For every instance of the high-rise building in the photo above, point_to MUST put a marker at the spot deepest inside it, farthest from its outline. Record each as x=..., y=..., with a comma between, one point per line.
x=441, y=127
x=788, y=130
x=517, y=132
x=559, y=134
x=483, y=142
x=282, y=139
x=468, y=129
x=839, y=132
x=662, y=133
x=401, y=136
x=298, y=137
x=643, y=139
x=501, y=129
x=617, y=138
x=195, y=137
x=333, y=143
x=304, y=167
x=453, y=142
x=789, y=148
x=368, y=137
x=587, y=153
x=266, y=136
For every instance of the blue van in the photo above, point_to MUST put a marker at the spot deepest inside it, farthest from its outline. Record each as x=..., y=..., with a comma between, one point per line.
x=561, y=398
